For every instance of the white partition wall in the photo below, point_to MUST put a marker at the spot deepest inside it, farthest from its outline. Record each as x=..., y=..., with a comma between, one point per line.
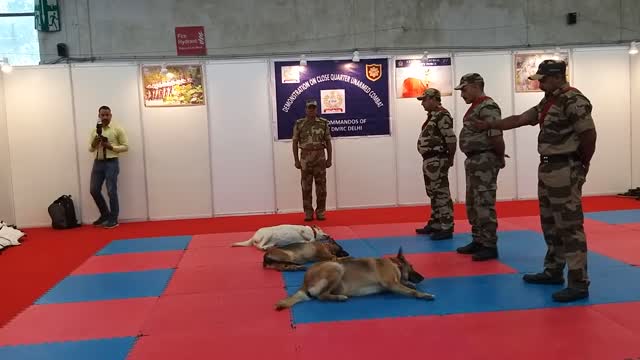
x=241, y=153
x=408, y=118
x=114, y=85
x=603, y=76
x=176, y=147
x=6, y=191
x=365, y=172
x=635, y=119
x=42, y=140
x=222, y=159
x=496, y=70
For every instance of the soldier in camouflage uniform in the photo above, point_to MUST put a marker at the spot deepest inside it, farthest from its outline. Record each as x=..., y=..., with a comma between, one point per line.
x=485, y=157
x=311, y=136
x=437, y=146
x=566, y=144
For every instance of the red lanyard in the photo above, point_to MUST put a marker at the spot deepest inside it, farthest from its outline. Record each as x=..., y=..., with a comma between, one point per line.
x=476, y=103
x=550, y=103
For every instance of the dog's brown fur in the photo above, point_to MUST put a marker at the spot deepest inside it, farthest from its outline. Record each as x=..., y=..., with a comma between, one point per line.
x=292, y=257
x=339, y=280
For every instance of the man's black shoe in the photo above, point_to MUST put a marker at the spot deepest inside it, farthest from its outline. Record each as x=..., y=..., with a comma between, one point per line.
x=441, y=235
x=544, y=278
x=470, y=248
x=486, y=253
x=570, y=294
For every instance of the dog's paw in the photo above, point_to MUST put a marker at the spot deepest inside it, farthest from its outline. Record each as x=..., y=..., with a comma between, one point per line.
x=428, y=296
x=342, y=297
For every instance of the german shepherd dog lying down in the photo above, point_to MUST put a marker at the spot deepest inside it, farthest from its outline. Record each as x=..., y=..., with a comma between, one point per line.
x=341, y=279
x=292, y=257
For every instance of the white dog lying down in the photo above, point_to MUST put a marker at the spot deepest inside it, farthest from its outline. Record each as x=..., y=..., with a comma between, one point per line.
x=281, y=235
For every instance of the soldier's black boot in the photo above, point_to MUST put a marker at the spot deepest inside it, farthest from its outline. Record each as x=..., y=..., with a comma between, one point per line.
x=470, y=248
x=441, y=235
x=544, y=278
x=485, y=253
x=570, y=294
x=426, y=230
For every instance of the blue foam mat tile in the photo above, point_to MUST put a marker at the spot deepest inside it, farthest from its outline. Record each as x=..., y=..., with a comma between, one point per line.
x=471, y=294
x=615, y=217
x=357, y=248
x=524, y=251
x=415, y=244
x=166, y=243
x=108, y=286
x=101, y=349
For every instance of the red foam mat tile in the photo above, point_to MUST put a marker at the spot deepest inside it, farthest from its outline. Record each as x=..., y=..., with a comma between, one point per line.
x=195, y=314
x=129, y=262
x=635, y=227
x=449, y=264
x=222, y=278
x=218, y=240
x=77, y=321
x=625, y=314
x=562, y=333
x=339, y=232
x=620, y=245
x=384, y=230
x=531, y=223
x=243, y=342
x=598, y=227
x=220, y=255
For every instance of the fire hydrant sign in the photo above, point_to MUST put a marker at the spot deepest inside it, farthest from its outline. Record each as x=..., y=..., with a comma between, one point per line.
x=190, y=41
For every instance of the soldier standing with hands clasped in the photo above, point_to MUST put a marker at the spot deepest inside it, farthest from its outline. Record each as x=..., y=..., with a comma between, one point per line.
x=566, y=143
x=311, y=136
x=485, y=158
x=437, y=146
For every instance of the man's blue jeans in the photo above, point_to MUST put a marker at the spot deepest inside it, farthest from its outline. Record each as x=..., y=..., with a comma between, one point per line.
x=106, y=170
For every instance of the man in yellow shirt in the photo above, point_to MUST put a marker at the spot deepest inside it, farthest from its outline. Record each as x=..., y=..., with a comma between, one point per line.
x=107, y=140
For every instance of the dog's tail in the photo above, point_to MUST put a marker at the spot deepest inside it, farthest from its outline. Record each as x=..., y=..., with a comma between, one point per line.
x=243, y=243
x=299, y=296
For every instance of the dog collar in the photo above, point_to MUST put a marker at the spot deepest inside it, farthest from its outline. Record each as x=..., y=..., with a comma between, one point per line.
x=314, y=231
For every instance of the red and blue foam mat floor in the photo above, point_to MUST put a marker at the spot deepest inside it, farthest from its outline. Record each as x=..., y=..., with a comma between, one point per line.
x=194, y=297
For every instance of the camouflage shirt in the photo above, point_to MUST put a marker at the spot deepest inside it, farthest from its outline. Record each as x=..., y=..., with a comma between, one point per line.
x=437, y=132
x=312, y=134
x=473, y=139
x=568, y=113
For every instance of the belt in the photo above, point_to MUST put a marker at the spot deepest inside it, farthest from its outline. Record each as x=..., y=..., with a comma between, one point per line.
x=556, y=158
x=474, y=153
x=313, y=148
x=109, y=159
x=430, y=154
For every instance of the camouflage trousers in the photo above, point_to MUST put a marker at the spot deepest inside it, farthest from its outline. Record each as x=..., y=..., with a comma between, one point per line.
x=562, y=219
x=313, y=168
x=481, y=173
x=436, y=181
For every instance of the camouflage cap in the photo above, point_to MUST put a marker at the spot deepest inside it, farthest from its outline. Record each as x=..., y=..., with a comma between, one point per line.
x=311, y=102
x=549, y=67
x=468, y=79
x=431, y=93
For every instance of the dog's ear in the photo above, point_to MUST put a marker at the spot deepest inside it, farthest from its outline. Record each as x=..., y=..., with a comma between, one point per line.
x=400, y=255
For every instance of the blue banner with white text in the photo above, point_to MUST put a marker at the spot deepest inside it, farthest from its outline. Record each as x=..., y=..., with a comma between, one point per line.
x=353, y=96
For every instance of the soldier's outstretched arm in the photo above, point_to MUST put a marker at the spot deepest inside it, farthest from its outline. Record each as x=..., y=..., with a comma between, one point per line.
x=529, y=117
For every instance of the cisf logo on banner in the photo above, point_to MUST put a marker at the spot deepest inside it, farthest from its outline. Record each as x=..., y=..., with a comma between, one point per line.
x=190, y=41
x=374, y=71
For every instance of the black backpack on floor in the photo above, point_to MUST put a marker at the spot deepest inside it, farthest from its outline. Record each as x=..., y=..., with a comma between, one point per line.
x=63, y=213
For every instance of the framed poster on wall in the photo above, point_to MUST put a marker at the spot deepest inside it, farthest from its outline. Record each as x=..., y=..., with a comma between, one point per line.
x=526, y=65
x=353, y=96
x=414, y=76
x=173, y=85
